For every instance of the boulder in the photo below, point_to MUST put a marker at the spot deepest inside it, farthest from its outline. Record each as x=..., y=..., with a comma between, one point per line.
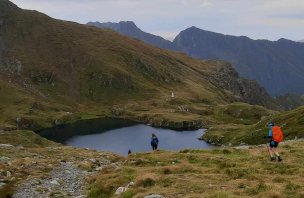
x=120, y=190
x=131, y=184
x=6, y=146
x=99, y=168
x=4, y=159
x=55, y=182
x=8, y=174
x=154, y=196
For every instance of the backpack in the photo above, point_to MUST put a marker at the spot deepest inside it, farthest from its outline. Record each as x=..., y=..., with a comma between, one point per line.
x=277, y=134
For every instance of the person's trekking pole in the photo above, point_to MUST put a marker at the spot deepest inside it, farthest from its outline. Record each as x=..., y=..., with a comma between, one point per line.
x=267, y=146
x=268, y=149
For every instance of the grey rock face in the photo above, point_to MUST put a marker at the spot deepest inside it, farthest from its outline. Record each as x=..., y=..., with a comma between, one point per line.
x=248, y=91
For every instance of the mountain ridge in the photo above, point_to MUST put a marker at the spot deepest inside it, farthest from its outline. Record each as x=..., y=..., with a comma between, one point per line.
x=261, y=60
x=253, y=59
x=50, y=67
x=129, y=28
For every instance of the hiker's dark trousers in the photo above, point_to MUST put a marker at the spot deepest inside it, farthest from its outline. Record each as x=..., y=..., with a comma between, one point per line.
x=154, y=147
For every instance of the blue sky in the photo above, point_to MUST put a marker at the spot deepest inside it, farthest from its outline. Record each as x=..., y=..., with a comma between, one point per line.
x=257, y=19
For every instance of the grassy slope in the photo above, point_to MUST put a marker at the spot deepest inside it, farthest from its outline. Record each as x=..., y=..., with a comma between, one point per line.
x=219, y=173
x=291, y=122
x=290, y=101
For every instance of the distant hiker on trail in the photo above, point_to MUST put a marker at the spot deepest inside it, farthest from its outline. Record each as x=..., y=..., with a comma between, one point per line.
x=154, y=142
x=276, y=135
x=129, y=152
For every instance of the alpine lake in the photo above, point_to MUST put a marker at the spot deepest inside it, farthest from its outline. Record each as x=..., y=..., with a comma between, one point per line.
x=120, y=136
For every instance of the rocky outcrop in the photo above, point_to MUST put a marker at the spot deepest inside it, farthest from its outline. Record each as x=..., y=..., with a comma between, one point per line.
x=249, y=91
x=159, y=122
x=10, y=66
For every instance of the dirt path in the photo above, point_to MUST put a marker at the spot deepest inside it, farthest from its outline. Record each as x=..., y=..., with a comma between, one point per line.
x=67, y=180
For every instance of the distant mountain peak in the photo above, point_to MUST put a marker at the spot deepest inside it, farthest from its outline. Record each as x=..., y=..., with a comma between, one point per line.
x=193, y=28
x=284, y=40
x=128, y=23
x=202, y=31
x=129, y=28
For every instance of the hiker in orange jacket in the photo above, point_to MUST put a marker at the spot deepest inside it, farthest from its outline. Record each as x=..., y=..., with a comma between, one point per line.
x=276, y=136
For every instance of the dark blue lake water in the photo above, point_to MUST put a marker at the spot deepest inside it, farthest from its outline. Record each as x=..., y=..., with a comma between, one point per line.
x=123, y=135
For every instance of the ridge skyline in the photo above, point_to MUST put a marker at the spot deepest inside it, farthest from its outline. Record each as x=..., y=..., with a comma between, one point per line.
x=255, y=19
x=171, y=39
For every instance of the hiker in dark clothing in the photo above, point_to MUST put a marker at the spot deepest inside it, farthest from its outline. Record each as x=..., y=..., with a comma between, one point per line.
x=154, y=142
x=276, y=136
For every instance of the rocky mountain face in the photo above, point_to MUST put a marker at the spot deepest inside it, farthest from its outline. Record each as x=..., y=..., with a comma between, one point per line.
x=129, y=28
x=260, y=60
x=228, y=79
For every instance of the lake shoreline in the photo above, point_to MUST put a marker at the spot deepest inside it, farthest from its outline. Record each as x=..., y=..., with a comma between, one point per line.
x=178, y=126
x=132, y=133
